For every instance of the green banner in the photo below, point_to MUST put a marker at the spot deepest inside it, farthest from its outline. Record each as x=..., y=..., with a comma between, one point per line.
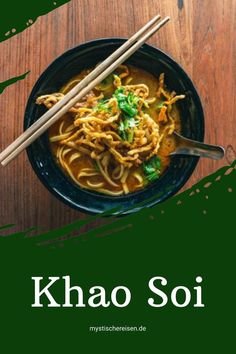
x=16, y=16
x=184, y=242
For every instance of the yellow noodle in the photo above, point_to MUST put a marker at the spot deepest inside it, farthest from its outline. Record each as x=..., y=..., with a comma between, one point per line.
x=125, y=175
x=175, y=99
x=106, y=176
x=125, y=188
x=151, y=100
x=126, y=71
x=60, y=137
x=59, y=151
x=70, y=128
x=84, y=110
x=74, y=157
x=87, y=174
x=144, y=148
x=96, y=120
x=109, y=192
x=118, y=172
x=49, y=100
x=75, y=135
x=138, y=177
x=117, y=81
x=95, y=185
x=120, y=158
x=70, y=85
x=90, y=141
x=65, y=151
x=128, y=80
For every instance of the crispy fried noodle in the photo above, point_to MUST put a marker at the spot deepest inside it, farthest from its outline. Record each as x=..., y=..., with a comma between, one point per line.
x=118, y=137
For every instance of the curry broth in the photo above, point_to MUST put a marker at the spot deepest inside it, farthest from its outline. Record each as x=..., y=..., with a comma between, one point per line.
x=85, y=161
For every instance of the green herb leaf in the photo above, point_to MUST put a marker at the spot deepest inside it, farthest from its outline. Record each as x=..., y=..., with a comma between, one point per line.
x=96, y=165
x=151, y=168
x=102, y=106
x=106, y=83
x=119, y=90
x=130, y=136
x=127, y=103
x=132, y=99
x=133, y=122
x=126, y=128
x=160, y=105
x=122, y=131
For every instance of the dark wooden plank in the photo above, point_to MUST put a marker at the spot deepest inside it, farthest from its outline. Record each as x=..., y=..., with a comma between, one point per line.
x=201, y=37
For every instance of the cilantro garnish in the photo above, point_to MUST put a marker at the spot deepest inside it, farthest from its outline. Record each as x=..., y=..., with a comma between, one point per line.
x=102, y=106
x=128, y=106
x=127, y=103
x=126, y=128
x=151, y=168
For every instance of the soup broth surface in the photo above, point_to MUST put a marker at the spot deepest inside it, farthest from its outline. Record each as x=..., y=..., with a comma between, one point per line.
x=118, y=138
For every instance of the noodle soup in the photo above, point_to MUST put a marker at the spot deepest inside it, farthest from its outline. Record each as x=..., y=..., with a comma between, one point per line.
x=118, y=138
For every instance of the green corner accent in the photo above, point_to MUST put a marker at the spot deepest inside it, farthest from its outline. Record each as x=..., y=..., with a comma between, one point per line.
x=11, y=81
x=16, y=16
x=6, y=227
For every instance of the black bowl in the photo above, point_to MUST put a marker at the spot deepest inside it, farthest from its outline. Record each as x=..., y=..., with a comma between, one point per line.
x=88, y=55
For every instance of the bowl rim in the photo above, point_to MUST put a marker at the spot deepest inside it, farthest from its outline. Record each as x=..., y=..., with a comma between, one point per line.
x=89, y=209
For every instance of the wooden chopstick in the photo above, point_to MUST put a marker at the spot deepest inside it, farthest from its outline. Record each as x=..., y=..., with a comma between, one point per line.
x=32, y=134
x=91, y=76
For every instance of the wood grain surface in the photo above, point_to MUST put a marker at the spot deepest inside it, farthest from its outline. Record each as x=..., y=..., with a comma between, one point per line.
x=200, y=36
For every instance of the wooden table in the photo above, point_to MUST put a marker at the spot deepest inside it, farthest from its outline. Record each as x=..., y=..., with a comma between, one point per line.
x=200, y=36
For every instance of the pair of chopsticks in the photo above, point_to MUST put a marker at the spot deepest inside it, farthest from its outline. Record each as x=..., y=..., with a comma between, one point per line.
x=81, y=89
